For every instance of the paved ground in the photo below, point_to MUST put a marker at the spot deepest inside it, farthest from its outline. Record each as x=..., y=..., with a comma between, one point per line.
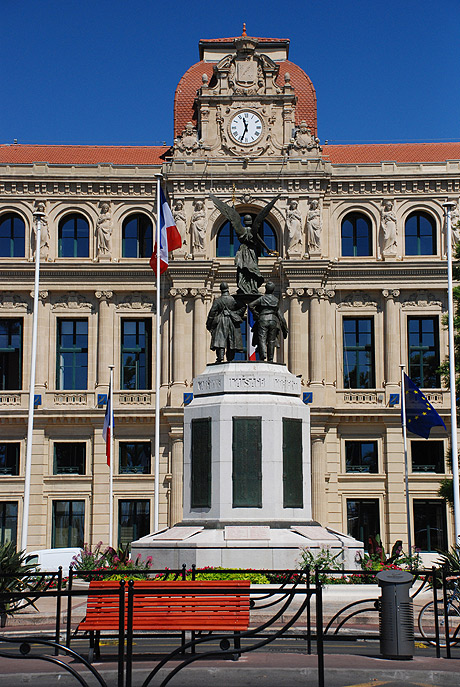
x=347, y=664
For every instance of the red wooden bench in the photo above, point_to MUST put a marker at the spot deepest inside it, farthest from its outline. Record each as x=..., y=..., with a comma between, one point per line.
x=194, y=606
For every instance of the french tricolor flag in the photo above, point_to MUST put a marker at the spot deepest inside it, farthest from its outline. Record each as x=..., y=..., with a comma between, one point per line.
x=108, y=423
x=250, y=327
x=170, y=238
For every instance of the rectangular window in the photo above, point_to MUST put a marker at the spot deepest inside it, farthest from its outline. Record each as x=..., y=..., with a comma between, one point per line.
x=247, y=462
x=423, y=344
x=69, y=458
x=430, y=525
x=292, y=463
x=133, y=520
x=136, y=354
x=427, y=456
x=135, y=458
x=9, y=459
x=363, y=519
x=72, y=355
x=361, y=456
x=68, y=527
x=10, y=354
x=201, y=463
x=8, y=522
x=358, y=353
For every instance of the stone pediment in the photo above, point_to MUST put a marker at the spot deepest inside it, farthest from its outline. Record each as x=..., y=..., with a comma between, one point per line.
x=245, y=73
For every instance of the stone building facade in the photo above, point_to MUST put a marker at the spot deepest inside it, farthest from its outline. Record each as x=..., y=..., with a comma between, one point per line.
x=359, y=233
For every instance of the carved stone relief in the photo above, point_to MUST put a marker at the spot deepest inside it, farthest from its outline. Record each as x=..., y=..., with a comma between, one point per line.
x=421, y=299
x=294, y=230
x=198, y=227
x=187, y=142
x=137, y=301
x=357, y=299
x=180, y=219
x=314, y=226
x=104, y=229
x=72, y=301
x=455, y=224
x=13, y=301
x=304, y=142
x=388, y=228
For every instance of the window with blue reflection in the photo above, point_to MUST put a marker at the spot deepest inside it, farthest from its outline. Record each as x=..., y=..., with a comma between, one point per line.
x=356, y=235
x=136, y=354
x=420, y=234
x=73, y=237
x=423, y=342
x=137, y=236
x=72, y=354
x=228, y=242
x=358, y=353
x=12, y=236
x=361, y=456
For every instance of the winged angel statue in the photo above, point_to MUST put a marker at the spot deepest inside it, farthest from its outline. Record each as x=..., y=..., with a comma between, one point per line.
x=248, y=276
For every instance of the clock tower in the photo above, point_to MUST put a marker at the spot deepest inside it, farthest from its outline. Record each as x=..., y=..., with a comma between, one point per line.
x=250, y=102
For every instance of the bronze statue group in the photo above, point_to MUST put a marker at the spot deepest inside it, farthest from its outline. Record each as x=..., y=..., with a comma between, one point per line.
x=229, y=310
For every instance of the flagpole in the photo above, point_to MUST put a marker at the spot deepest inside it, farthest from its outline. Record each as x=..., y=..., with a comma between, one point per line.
x=406, y=471
x=33, y=361
x=111, y=444
x=156, y=503
x=453, y=401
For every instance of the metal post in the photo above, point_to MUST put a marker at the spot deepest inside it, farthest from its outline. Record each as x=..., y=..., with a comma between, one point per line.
x=33, y=361
x=111, y=457
x=156, y=504
x=453, y=405
x=406, y=471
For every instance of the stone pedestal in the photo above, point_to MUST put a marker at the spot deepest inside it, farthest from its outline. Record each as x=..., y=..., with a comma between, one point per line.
x=247, y=475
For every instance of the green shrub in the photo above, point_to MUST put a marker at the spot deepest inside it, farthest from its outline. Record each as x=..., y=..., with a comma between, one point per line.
x=324, y=559
x=214, y=574
x=12, y=564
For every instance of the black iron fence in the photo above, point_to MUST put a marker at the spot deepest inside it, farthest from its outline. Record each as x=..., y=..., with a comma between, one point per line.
x=291, y=607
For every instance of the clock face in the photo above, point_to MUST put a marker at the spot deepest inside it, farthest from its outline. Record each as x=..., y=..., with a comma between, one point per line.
x=246, y=127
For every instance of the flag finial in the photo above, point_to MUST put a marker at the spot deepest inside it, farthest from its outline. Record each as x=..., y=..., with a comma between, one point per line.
x=244, y=30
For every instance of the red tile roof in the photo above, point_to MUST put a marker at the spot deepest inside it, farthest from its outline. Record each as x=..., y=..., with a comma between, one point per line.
x=151, y=155
x=192, y=80
x=16, y=154
x=397, y=152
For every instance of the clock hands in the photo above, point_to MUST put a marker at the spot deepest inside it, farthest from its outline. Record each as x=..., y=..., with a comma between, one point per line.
x=245, y=131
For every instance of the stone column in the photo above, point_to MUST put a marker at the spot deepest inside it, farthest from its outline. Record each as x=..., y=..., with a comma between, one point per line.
x=200, y=334
x=318, y=465
x=179, y=340
x=176, y=436
x=43, y=344
x=105, y=338
x=165, y=315
x=391, y=326
x=297, y=363
x=316, y=338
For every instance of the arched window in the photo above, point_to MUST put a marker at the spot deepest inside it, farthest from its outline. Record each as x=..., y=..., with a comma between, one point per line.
x=420, y=234
x=12, y=236
x=137, y=237
x=73, y=237
x=228, y=242
x=356, y=235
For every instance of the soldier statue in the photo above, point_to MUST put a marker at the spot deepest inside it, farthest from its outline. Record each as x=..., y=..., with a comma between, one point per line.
x=269, y=323
x=224, y=320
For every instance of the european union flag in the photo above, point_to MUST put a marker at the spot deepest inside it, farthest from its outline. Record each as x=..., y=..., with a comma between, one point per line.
x=420, y=414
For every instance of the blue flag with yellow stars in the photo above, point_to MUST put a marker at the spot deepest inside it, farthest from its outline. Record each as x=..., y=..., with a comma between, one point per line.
x=420, y=414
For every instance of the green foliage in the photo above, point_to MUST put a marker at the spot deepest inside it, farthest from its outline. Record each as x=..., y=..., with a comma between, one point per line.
x=376, y=560
x=214, y=574
x=323, y=560
x=450, y=559
x=12, y=564
x=446, y=490
x=98, y=562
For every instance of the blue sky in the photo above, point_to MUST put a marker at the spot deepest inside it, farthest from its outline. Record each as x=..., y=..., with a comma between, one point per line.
x=105, y=71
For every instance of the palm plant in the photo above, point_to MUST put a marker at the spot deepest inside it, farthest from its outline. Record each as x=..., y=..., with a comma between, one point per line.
x=13, y=578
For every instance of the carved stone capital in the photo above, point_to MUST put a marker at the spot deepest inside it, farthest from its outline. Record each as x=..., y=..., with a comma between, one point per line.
x=103, y=295
x=43, y=295
x=391, y=293
x=295, y=293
